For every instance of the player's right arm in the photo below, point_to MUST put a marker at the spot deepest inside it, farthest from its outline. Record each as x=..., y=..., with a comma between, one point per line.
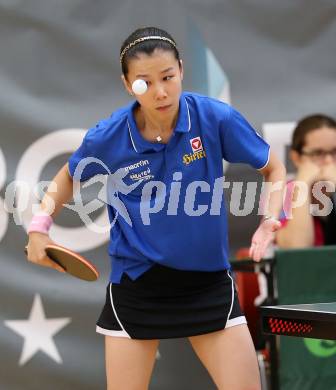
x=59, y=192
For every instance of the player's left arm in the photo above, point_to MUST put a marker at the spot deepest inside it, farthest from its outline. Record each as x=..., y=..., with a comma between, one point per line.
x=275, y=179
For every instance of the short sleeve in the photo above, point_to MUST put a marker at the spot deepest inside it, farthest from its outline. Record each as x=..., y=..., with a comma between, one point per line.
x=241, y=143
x=86, y=161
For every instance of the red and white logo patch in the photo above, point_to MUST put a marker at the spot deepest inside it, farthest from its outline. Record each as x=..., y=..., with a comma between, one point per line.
x=196, y=144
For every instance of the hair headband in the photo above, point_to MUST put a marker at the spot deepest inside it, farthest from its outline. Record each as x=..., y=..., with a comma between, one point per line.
x=152, y=37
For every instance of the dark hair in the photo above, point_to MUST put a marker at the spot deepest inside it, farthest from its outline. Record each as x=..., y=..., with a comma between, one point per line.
x=146, y=46
x=306, y=126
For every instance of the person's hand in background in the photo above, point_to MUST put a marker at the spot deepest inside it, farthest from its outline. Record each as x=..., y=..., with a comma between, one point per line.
x=308, y=172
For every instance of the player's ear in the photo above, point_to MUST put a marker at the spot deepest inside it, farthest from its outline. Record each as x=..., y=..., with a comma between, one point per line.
x=181, y=69
x=126, y=84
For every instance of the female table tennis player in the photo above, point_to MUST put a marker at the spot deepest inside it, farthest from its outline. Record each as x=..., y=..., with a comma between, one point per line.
x=170, y=273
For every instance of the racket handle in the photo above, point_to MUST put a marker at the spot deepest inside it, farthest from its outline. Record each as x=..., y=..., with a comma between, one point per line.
x=56, y=261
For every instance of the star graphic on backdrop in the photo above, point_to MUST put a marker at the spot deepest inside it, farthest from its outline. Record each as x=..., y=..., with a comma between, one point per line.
x=38, y=332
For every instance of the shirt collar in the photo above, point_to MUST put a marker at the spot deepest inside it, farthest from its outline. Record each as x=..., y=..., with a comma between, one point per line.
x=141, y=145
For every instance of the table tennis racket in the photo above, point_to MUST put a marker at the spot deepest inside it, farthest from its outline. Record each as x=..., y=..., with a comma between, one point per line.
x=72, y=262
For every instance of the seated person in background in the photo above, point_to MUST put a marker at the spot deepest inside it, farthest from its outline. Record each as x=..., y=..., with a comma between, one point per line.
x=313, y=152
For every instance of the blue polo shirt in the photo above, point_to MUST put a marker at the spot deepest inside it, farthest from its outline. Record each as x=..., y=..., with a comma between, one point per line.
x=166, y=201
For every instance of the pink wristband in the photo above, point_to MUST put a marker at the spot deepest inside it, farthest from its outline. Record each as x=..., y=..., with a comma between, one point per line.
x=40, y=223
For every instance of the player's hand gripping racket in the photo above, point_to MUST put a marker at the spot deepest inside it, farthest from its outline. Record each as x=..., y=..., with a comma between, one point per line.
x=72, y=262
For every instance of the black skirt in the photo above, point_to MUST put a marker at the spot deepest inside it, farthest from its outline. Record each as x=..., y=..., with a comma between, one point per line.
x=168, y=303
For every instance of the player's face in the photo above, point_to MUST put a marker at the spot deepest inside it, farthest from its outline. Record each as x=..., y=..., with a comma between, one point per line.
x=163, y=75
x=320, y=146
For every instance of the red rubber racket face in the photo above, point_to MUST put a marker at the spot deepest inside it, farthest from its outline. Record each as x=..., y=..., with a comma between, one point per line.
x=72, y=262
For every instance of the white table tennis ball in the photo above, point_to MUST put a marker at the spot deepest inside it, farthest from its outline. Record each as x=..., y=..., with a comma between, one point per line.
x=139, y=87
